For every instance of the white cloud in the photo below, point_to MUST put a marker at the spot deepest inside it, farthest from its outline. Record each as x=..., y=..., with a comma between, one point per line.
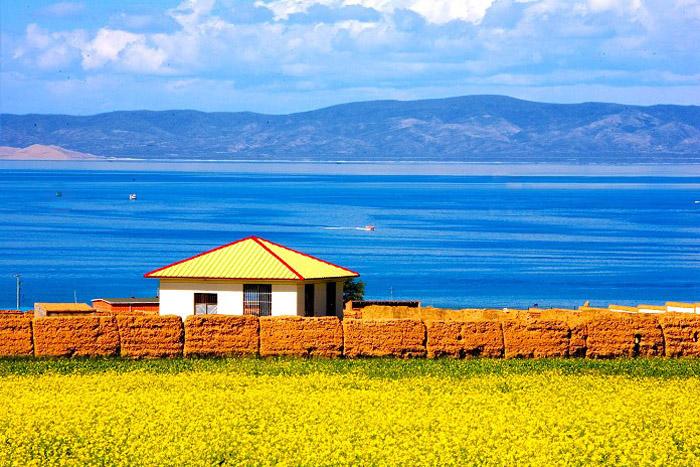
x=125, y=50
x=49, y=50
x=189, y=13
x=106, y=47
x=434, y=11
x=517, y=43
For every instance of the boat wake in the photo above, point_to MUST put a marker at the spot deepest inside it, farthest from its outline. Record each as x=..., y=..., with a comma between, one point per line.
x=367, y=228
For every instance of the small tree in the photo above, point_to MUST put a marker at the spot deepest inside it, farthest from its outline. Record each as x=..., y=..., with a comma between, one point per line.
x=353, y=289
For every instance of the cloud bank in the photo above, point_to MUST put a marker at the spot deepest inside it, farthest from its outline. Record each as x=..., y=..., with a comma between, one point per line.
x=287, y=55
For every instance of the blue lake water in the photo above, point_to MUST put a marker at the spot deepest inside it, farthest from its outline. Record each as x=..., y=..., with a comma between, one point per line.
x=455, y=241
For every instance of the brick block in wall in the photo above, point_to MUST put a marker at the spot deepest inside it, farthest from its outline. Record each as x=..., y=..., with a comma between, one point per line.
x=16, y=337
x=221, y=335
x=623, y=335
x=681, y=334
x=384, y=338
x=462, y=339
x=532, y=336
x=150, y=336
x=305, y=337
x=75, y=336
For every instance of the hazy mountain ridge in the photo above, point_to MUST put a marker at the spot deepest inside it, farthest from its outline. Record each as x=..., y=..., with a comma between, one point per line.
x=471, y=128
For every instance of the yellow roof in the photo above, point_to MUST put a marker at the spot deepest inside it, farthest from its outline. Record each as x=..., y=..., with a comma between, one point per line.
x=622, y=307
x=681, y=304
x=252, y=258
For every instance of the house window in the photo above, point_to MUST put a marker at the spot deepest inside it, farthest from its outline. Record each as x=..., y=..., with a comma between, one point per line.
x=309, y=300
x=330, y=299
x=257, y=299
x=205, y=304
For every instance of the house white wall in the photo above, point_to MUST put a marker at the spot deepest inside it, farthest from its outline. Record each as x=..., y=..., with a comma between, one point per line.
x=677, y=307
x=651, y=309
x=177, y=297
x=284, y=299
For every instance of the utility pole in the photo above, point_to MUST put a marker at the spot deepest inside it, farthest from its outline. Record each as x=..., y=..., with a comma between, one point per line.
x=18, y=278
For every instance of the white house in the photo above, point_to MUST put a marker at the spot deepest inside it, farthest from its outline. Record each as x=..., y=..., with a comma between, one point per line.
x=680, y=307
x=252, y=276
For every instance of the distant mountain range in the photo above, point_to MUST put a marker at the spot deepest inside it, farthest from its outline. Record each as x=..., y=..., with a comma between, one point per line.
x=467, y=129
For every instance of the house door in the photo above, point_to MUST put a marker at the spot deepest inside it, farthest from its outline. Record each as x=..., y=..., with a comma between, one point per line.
x=330, y=299
x=309, y=300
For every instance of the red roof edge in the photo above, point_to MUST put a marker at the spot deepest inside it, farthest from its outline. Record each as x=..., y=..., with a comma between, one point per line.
x=357, y=274
x=149, y=274
x=257, y=240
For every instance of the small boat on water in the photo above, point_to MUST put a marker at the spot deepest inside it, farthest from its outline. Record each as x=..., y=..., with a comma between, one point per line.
x=368, y=228
x=132, y=197
x=58, y=194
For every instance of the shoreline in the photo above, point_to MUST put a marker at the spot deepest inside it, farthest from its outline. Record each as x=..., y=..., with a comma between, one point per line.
x=367, y=168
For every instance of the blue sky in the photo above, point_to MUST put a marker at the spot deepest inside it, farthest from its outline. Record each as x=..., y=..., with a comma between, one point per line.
x=280, y=56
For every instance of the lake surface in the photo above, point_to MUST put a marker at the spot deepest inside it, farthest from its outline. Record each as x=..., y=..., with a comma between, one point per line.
x=455, y=241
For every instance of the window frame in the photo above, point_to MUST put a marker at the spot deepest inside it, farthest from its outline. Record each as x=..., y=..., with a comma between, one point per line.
x=209, y=300
x=257, y=299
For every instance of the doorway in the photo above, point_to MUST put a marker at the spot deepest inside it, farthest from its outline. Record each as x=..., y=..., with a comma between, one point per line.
x=309, y=300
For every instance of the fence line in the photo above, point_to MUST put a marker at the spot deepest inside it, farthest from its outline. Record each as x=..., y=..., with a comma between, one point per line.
x=520, y=335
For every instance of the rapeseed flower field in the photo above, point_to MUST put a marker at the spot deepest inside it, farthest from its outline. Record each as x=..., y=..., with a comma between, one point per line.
x=291, y=412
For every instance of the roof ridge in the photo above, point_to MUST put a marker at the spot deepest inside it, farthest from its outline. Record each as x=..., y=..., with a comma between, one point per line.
x=260, y=241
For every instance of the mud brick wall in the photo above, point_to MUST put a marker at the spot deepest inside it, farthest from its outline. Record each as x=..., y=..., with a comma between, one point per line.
x=16, y=336
x=533, y=336
x=382, y=338
x=10, y=313
x=681, y=334
x=578, y=335
x=612, y=335
x=75, y=336
x=376, y=312
x=221, y=335
x=460, y=339
x=305, y=337
x=150, y=336
x=477, y=333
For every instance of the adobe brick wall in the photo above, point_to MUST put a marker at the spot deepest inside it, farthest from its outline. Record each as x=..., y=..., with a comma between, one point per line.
x=460, y=339
x=533, y=336
x=305, y=337
x=16, y=336
x=221, y=335
x=681, y=334
x=103, y=307
x=136, y=309
x=612, y=335
x=150, y=336
x=75, y=336
x=10, y=313
x=382, y=338
x=477, y=333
